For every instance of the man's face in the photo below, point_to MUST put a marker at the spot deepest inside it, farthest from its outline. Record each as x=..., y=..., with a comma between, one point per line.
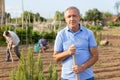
x=8, y=35
x=72, y=18
x=43, y=39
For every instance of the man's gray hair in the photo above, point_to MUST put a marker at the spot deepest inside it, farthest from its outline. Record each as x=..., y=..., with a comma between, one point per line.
x=72, y=7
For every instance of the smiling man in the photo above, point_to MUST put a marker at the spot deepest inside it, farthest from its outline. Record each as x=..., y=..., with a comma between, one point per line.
x=76, y=40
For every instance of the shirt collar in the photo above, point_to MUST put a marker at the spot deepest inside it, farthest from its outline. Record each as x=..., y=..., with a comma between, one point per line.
x=81, y=28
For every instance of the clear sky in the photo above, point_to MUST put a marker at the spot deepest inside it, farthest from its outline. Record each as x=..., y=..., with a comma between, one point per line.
x=47, y=8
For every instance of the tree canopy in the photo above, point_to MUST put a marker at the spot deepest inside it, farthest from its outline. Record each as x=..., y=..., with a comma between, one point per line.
x=93, y=15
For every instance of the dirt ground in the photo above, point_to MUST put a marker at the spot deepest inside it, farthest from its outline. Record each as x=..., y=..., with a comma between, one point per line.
x=7, y=67
x=107, y=67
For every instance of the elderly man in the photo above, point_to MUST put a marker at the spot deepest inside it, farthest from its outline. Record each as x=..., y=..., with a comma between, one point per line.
x=79, y=41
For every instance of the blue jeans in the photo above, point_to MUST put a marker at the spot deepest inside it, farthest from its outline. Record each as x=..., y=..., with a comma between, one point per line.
x=92, y=78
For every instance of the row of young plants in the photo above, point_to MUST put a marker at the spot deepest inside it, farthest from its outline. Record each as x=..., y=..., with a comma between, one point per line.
x=31, y=69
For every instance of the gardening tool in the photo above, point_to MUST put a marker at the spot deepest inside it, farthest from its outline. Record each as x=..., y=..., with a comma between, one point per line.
x=10, y=53
x=74, y=61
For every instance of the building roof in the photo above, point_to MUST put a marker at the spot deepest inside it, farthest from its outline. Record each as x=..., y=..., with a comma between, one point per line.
x=113, y=18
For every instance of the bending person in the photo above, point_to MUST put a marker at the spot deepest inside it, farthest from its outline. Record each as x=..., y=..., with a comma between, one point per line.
x=12, y=41
x=43, y=44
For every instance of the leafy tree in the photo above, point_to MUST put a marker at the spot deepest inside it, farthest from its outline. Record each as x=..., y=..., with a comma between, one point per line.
x=30, y=17
x=106, y=15
x=93, y=15
x=62, y=17
x=37, y=16
x=59, y=16
x=8, y=17
x=42, y=19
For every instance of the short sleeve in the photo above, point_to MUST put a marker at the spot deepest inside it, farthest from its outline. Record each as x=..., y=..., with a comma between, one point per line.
x=58, y=43
x=39, y=41
x=4, y=34
x=92, y=40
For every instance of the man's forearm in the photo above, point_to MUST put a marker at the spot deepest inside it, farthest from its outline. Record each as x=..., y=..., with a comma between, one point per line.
x=90, y=62
x=10, y=45
x=60, y=56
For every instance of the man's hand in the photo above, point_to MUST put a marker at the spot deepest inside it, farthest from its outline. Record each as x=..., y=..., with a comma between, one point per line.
x=71, y=50
x=10, y=47
x=77, y=69
x=6, y=41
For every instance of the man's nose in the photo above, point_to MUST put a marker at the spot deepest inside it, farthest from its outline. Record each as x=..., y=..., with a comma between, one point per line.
x=71, y=18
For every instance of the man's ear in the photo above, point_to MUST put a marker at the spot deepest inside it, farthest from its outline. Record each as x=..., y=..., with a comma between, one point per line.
x=64, y=19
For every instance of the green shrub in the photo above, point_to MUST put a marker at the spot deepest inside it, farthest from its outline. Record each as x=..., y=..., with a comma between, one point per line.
x=97, y=37
x=95, y=28
x=112, y=24
x=29, y=69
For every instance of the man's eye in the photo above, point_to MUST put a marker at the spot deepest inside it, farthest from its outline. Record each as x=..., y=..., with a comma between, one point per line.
x=72, y=16
x=69, y=16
